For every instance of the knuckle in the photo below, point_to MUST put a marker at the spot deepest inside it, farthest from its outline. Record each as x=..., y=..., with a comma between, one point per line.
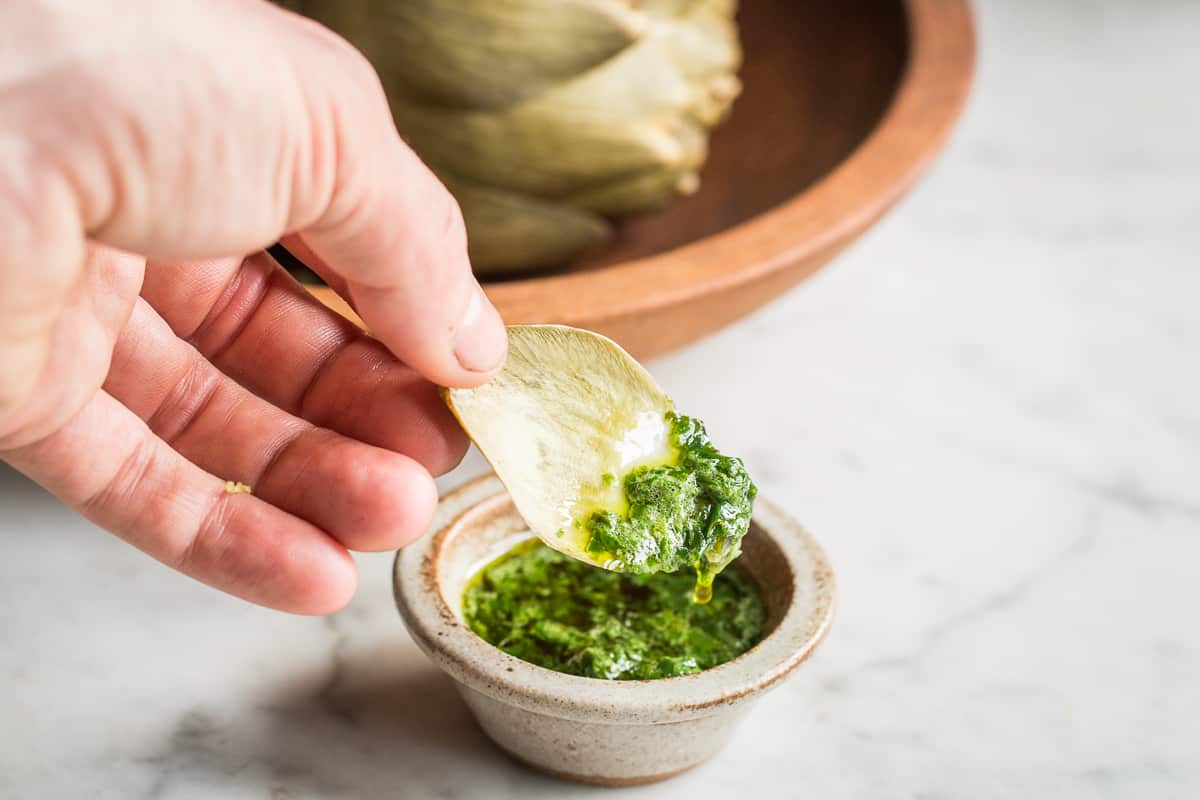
x=207, y=550
x=124, y=486
x=38, y=212
x=41, y=260
x=349, y=63
x=360, y=69
x=245, y=295
x=453, y=226
x=186, y=401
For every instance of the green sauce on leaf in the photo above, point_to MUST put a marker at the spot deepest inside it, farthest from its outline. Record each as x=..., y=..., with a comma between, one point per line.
x=693, y=512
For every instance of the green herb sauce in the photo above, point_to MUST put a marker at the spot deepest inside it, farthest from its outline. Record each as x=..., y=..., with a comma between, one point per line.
x=693, y=512
x=554, y=611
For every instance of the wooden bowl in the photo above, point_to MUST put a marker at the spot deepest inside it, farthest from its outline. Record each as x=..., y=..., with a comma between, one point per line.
x=845, y=105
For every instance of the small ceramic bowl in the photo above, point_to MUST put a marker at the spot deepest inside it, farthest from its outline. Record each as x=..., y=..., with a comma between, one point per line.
x=586, y=729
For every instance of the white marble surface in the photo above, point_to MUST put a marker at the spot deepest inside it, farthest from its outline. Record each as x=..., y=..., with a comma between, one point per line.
x=989, y=410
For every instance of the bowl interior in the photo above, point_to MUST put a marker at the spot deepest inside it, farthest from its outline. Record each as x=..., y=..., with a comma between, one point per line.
x=497, y=527
x=477, y=522
x=817, y=78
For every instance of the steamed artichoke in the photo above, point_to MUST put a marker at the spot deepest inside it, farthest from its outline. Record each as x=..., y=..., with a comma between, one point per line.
x=546, y=117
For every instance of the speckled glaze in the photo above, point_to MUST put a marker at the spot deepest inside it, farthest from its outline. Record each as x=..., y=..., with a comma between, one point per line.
x=606, y=732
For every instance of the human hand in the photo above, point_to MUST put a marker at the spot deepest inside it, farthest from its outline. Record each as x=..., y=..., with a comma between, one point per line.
x=150, y=351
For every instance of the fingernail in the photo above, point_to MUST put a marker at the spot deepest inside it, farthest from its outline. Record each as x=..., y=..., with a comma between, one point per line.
x=481, y=341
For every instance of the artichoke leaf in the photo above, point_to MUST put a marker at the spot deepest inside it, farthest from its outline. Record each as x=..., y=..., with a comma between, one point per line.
x=703, y=46
x=654, y=188
x=702, y=40
x=618, y=119
x=643, y=191
x=568, y=407
x=480, y=54
x=509, y=232
x=676, y=9
x=526, y=156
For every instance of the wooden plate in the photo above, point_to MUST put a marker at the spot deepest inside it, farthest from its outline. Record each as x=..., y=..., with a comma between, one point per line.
x=845, y=105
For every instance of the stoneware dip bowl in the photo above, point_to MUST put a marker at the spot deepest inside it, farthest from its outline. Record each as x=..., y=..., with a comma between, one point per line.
x=586, y=729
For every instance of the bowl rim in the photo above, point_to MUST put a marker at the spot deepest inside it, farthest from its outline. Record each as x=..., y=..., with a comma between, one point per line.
x=482, y=666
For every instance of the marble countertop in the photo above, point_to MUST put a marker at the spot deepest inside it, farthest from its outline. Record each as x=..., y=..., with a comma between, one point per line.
x=988, y=410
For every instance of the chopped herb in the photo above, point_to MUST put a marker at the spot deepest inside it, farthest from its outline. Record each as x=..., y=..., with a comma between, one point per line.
x=554, y=611
x=693, y=512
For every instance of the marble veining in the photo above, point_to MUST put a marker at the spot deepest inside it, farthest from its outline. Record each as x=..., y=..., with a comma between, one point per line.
x=988, y=411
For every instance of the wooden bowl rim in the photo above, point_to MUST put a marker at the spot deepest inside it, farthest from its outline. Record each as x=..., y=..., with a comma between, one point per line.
x=931, y=92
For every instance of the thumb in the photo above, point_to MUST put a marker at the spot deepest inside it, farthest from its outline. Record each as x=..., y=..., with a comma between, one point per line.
x=391, y=237
x=400, y=258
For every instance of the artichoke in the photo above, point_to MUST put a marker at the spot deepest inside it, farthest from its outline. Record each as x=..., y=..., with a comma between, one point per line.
x=547, y=117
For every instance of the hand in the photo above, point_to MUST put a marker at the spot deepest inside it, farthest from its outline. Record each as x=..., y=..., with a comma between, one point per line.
x=150, y=351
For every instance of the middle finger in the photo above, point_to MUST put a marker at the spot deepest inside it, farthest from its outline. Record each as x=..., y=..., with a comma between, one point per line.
x=366, y=497
x=257, y=325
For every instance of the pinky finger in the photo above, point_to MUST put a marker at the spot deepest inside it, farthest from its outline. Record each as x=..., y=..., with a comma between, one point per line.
x=109, y=466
